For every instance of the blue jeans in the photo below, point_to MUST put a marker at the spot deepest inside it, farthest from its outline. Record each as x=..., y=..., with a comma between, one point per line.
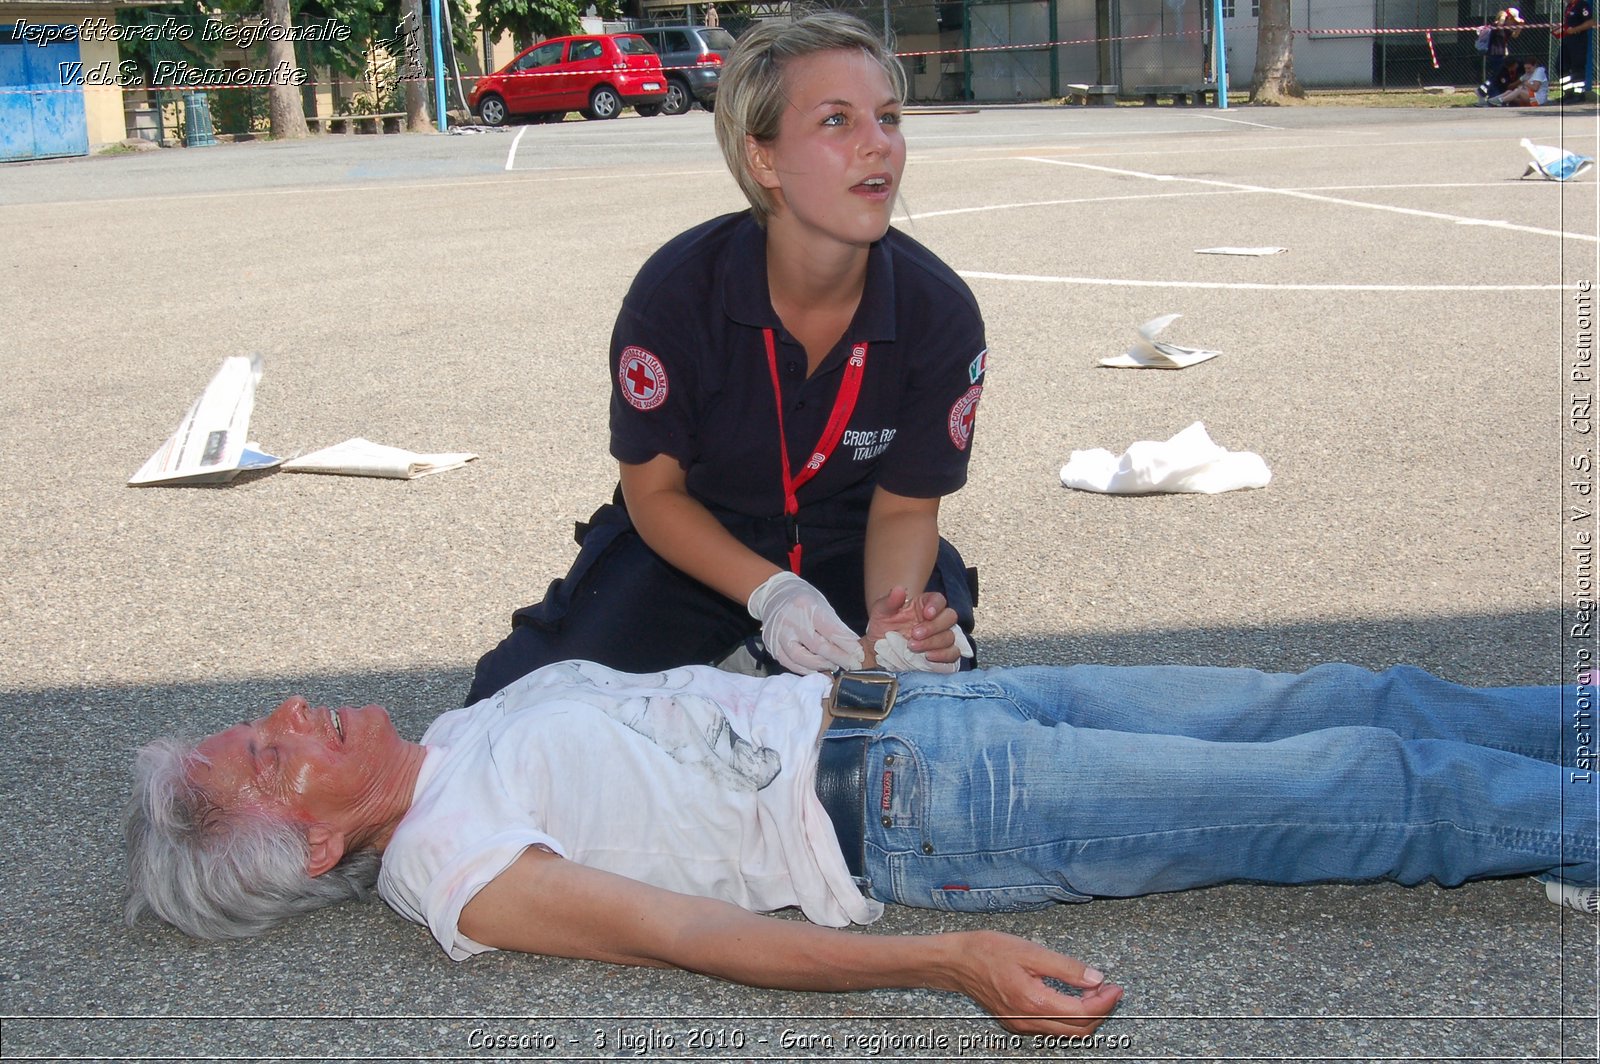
x=1011, y=789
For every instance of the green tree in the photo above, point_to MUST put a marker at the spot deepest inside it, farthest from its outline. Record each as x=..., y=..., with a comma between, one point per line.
x=528, y=20
x=166, y=47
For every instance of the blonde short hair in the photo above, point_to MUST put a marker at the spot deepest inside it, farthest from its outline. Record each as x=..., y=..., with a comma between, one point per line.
x=750, y=97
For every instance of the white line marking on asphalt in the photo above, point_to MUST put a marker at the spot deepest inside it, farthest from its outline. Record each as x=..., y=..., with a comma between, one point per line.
x=919, y=215
x=1412, y=211
x=511, y=156
x=1063, y=202
x=567, y=174
x=983, y=275
x=1238, y=121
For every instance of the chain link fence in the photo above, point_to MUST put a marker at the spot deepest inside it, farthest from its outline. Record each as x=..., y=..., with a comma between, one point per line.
x=1019, y=50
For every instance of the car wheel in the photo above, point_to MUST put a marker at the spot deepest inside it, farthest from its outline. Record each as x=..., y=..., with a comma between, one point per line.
x=678, y=99
x=492, y=109
x=604, y=103
x=647, y=110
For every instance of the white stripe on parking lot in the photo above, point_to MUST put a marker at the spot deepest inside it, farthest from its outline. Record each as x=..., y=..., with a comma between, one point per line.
x=1293, y=193
x=983, y=275
x=511, y=156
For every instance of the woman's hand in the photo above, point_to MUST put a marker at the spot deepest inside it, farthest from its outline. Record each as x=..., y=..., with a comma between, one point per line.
x=801, y=628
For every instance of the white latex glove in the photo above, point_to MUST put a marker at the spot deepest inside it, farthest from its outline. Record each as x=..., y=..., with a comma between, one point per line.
x=894, y=654
x=801, y=629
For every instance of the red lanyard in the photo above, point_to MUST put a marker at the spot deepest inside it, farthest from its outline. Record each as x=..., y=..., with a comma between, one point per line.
x=843, y=406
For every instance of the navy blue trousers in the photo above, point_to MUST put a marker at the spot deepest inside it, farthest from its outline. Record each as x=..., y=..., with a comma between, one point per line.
x=625, y=607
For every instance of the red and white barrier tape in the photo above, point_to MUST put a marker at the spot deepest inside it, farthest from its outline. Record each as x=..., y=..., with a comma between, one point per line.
x=121, y=83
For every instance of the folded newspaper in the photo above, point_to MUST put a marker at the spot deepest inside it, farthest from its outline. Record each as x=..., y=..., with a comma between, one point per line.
x=209, y=446
x=363, y=458
x=1150, y=353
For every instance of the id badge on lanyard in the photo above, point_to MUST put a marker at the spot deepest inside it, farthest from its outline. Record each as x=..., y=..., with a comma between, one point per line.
x=843, y=406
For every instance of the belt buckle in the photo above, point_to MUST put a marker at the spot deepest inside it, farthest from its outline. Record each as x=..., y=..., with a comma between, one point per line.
x=864, y=694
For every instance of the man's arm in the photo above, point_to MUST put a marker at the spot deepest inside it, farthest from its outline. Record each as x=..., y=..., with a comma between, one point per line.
x=545, y=904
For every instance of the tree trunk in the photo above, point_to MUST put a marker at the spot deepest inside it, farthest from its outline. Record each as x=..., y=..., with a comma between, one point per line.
x=413, y=68
x=1274, y=74
x=283, y=101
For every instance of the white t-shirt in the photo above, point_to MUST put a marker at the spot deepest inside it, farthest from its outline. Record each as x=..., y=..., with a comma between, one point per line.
x=1542, y=79
x=694, y=780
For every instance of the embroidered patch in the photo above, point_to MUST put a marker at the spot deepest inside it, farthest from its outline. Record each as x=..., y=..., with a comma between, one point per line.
x=888, y=790
x=643, y=378
x=961, y=415
x=978, y=366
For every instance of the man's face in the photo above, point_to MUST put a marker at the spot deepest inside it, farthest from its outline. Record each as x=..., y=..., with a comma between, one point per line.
x=313, y=765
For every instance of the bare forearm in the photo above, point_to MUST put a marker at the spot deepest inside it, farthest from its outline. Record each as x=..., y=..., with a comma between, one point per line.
x=791, y=955
x=544, y=904
x=682, y=531
x=901, y=548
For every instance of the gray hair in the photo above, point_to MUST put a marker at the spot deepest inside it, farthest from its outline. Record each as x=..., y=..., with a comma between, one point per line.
x=214, y=872
x=750, y=95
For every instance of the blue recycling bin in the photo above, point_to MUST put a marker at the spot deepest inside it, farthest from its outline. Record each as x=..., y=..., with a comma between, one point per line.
x=197, y=130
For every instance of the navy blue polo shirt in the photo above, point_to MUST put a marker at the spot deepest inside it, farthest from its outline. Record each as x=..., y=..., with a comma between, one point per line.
x=690, y=378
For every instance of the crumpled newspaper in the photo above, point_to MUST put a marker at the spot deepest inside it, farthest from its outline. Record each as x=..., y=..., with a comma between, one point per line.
x=1554, y=164
x=1189, y=462
x=1150, y=353
x=360, y=457
x=1248, y=252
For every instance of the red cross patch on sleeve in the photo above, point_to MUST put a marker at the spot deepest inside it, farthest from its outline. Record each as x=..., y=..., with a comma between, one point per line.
x=961, y=416
x=642, y=377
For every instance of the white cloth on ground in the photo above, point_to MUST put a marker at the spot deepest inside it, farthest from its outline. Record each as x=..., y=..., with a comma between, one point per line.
x=1188, y=462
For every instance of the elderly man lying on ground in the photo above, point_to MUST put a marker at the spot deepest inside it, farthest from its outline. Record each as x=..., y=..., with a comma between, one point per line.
x=645, y=820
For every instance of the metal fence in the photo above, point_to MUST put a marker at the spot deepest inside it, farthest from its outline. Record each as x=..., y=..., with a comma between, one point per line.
x=1008, y=50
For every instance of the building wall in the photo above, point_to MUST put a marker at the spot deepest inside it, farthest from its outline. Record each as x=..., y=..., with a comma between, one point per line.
x=1334, y=60
x=102, y=104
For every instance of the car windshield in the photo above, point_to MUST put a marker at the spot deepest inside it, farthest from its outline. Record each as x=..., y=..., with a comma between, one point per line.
x=717, y=39
x=635, y=46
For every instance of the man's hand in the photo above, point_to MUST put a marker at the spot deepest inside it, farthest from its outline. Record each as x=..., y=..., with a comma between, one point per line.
x=926, y=624
x=1006, y=975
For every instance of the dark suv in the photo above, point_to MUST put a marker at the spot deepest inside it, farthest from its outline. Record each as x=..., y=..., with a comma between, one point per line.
x=692, y=58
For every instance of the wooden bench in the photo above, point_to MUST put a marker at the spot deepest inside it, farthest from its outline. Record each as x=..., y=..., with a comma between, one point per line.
x=1181, y=94
x=389, y=122
x=1093, y=95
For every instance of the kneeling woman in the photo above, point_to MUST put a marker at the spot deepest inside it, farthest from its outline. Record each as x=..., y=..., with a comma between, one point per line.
x=793, y=391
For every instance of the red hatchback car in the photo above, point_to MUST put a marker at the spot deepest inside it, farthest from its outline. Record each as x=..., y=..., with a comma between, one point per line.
x=597, y=75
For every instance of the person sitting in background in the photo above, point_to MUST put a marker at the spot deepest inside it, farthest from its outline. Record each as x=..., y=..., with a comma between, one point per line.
x=1531, y=90
x=647, y=819
x=1503, y=79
